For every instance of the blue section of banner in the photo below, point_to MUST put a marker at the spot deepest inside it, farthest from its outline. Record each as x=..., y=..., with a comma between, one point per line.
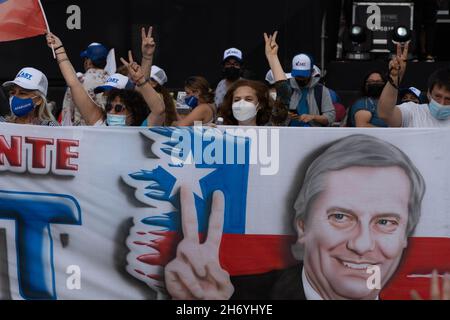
x=33, y=214
x=229, y=174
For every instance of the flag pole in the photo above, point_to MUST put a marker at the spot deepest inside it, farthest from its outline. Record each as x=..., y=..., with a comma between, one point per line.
x=48, y=28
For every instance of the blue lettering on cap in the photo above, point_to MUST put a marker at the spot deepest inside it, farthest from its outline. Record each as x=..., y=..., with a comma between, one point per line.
x=25, y=75
x=1, y=1
x=113, y=80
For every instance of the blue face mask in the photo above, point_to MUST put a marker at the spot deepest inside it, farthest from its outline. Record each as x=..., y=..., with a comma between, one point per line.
x=21, y=107
x=116, y=120
x=191, y=101
x=439, y=111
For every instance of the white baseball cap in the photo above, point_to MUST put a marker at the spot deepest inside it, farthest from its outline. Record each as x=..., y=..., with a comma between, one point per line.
x=159, y=75
x=415, y=91
x=270, y=78
x=30, y=79
x=116, y=81
x=232, y=53
x=302, y=66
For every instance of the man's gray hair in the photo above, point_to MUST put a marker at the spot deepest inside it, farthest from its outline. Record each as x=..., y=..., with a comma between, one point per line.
x=360, y=151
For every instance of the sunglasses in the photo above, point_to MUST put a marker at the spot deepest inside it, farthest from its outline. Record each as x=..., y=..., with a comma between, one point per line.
x=117, y=108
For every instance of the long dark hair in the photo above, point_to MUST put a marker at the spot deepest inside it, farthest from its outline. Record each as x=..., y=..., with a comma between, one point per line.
x=134, y=102
x=170, y=109
x=201, y=85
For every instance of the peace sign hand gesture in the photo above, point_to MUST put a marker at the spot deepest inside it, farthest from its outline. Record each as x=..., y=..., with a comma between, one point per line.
x=135, y=71
x=148, y=43
x=271, y=44
x=196, y=273
x=397, y=66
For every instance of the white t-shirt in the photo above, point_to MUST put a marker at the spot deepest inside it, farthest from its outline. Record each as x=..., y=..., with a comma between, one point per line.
x=419, y=116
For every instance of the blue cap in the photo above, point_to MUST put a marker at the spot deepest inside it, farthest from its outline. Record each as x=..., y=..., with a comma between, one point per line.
x=96, y=52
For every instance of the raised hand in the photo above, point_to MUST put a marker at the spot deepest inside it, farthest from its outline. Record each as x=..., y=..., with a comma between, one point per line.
x=136, y=73
x=397, y=65
x=271, y=44
x=53, y=41
x=148, y=43
x=196, y=273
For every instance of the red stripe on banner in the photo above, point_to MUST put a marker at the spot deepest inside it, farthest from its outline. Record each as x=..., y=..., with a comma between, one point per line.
x=239, y=254
x=421, y=258
x=256, y=254
x=21, y=19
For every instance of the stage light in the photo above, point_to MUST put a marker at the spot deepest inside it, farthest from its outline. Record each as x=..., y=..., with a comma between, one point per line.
x=357, y=34
x=401, y=35
x=359, y=43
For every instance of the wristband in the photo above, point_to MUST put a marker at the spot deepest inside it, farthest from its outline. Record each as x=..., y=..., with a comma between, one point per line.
x=142, y=84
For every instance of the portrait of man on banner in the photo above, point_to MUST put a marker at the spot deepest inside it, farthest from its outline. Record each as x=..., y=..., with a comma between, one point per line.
x=352, y=242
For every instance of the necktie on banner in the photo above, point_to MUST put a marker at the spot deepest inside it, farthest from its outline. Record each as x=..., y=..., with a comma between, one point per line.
x=21, y=19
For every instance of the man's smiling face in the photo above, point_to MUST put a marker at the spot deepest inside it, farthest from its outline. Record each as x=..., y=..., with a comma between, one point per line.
x=359, y=220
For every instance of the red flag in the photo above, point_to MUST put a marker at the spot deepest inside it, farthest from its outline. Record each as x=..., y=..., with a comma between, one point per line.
x=21, y=19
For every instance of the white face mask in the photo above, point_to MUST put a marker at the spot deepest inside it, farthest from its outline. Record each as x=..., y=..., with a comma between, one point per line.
x=244, y=110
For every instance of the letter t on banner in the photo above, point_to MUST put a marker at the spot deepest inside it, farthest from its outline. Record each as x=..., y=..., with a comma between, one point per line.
x=33, y=214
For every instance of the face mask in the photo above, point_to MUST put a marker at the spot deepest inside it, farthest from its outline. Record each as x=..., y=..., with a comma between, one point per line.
x=231, y=73
x=439, y=111
x=191, y=101
x=244, y=110
x=116, y=120
x=21, y=107
x=302, y=82
x=374, y=90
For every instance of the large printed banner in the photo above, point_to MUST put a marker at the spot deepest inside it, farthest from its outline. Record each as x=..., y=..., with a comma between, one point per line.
x=95, y=213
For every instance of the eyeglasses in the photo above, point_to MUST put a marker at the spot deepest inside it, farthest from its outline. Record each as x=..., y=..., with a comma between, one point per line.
x=117, y=108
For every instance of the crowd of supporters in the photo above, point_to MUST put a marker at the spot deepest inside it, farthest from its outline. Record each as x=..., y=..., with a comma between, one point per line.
x=136, y=95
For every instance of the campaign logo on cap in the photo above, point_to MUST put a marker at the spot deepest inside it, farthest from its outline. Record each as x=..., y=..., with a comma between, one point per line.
x=158, y=75
x=30, y=79
x=232, y=53
x=301, y=66
x=415, y=91
x=116, y=81
x=96, y=52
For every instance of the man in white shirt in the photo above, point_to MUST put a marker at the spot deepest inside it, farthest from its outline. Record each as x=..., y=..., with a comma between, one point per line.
x=436, y=114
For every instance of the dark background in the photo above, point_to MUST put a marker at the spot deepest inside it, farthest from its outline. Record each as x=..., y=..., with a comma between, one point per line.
x=191, y=35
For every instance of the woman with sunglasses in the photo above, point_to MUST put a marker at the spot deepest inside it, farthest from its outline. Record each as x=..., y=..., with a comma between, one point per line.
x=28, y=99
x=123, y=107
